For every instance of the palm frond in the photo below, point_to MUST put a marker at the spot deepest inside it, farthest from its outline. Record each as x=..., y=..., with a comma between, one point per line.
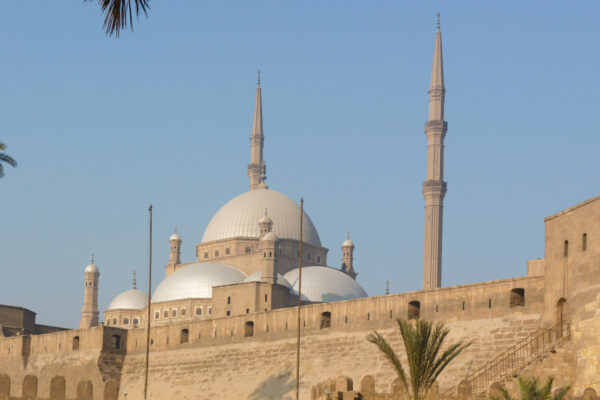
x=8, y=159
x=383, y=345
x=561, y=393
x=1, y=171
x=119, y=13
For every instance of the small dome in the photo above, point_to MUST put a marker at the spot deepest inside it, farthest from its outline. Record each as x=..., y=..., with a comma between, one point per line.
x=265, y=219
x=325, y=284
x=257, y=276
x=347, y=243
x=196, y=281
x=131, y=299
x=92, y=268
x=270, y=236
x=240, y=217
x=175, y=236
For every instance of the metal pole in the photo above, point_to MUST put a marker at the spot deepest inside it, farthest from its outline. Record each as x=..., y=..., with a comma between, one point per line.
x=299, y=302
x=149, y=304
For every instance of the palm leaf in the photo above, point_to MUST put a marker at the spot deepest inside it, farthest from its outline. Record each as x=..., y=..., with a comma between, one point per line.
x=119, y=13
x=8, y=159
x=389, y=353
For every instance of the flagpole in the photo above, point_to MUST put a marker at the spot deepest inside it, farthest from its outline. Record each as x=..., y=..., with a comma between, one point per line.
x=149, y=304
x=299, y=302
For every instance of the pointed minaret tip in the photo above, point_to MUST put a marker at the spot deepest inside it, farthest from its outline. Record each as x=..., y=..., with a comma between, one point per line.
x=258, y=80
x=438, y=22
x=92, y=258
x=134, y=280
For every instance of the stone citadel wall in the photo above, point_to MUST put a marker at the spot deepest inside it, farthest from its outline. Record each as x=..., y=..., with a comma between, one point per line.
x=217, y=356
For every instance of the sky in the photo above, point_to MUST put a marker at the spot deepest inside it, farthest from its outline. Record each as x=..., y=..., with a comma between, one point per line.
x=103, y=127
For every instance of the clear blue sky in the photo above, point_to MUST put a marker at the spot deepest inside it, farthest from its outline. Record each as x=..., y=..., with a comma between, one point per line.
x=103, y=127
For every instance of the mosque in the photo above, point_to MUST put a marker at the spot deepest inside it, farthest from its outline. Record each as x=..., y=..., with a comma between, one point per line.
x=246, y=262
x=225, y=326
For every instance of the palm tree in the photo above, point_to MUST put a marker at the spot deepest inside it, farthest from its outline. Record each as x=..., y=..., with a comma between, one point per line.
x=423, y=343
x=530, y=390
x=119, y=13
x=5, y=158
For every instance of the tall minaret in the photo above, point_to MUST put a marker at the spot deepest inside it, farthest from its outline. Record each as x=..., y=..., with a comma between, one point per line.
x=434, y=188
x=89, y=312
x=257, y=169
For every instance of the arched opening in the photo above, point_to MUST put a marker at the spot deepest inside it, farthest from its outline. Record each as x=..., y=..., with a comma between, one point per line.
x=76, y=343
x=115, y=342
x=111, y=390
x=489, y=303
x=414, y=309
x=4, y=386
x=57, y=388
x=566, y=249
x=464, y=305
x=184, y=336
x=584, y=242
x=30, y=387
x=325, y=320
x=85, y=390
x=249, y=329
x=561, y=317
x=517, y=297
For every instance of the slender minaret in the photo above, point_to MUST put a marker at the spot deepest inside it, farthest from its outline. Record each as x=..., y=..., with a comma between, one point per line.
x=89, y=312
x=434, y=188
x=257, y=169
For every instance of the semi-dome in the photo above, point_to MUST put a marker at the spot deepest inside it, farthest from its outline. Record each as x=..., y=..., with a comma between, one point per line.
x=131, y=299
x=257, y=276
x=325, y=284
x=240, y=218
x=196, y=281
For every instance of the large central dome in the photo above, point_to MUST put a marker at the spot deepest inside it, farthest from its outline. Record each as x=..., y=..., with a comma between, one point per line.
x=239, y=218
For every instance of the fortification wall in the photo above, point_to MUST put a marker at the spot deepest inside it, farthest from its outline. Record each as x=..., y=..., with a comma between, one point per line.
x=70, y=364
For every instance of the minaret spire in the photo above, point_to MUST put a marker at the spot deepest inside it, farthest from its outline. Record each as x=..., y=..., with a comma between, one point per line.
x=257, y=169
x=434, y=187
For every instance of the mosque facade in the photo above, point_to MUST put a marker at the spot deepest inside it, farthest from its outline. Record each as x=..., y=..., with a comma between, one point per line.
x=225, y=325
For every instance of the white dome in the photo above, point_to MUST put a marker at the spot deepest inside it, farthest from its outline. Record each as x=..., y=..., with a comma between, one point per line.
x=325, y=284
x=257, y=276
x=175, y=236
x=196, y=281
x=131, y=299
x=347, y=243
x=240, y=217
x=92, y=268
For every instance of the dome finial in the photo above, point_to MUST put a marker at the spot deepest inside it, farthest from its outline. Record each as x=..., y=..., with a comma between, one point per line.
x=258, y=80
x=348, y=236
x=134, y=281
x=92, y=258
x=438, y=21
x=175, y=228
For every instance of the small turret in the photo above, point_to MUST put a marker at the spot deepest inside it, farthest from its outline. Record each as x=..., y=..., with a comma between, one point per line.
x=89, y=312
x=348, y=258
x=266, y=224
x=174, y=253
x=268, y=244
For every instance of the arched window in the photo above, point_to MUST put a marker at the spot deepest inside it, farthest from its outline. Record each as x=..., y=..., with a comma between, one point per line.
x=76, y=343
x=206, y=254
x=464, y=305
x=114, y=321
x=414, y=309
x=517, y=297
x=157, y=315
x=561, y=317
x=116, y=342
x=325, y=320
x=266, y=298
x=437, y=308
x=489, y=303
x=248, y=250
x=566, y=248
x=584, y=242
x=249, y=329
x=391, y=314
x=227, y=251
x=136, y=321
x=228, y=299
x=184, y=337
x=198, y=310
x=125, y=321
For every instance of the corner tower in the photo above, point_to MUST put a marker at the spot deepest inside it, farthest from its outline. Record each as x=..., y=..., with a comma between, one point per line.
x=89, y=312
x=434, y=187
x=257, y=169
